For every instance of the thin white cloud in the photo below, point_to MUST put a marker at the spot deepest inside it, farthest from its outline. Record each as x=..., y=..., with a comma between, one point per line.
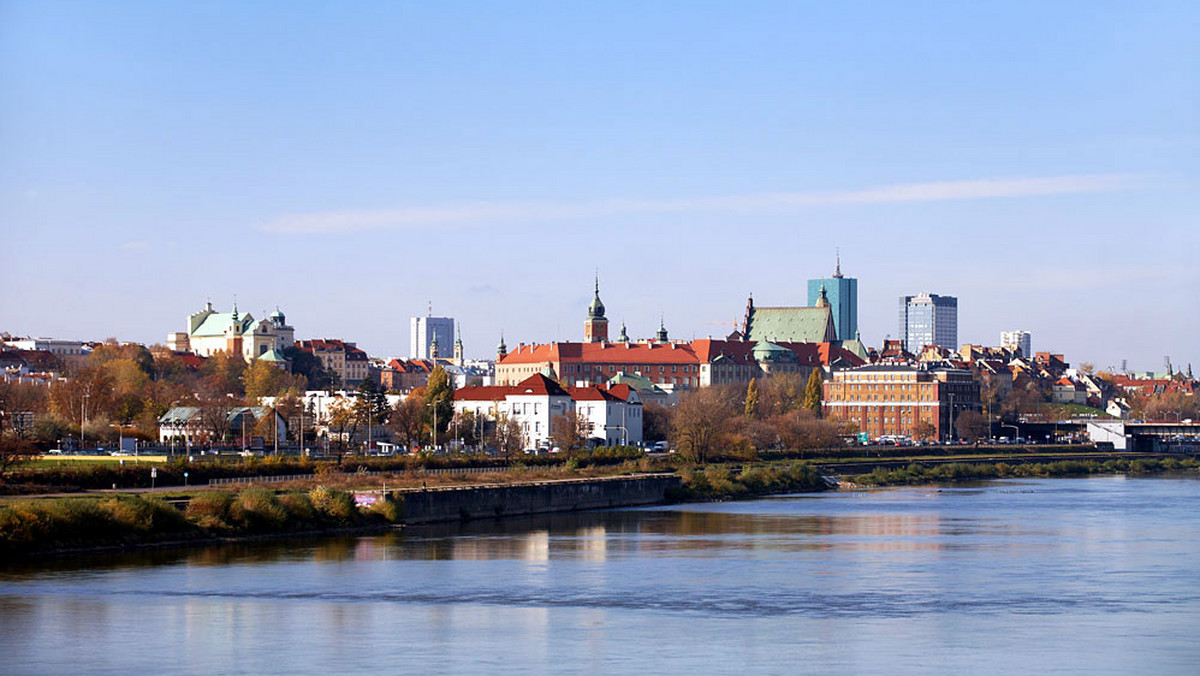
x=489, y=212
x=136, y=246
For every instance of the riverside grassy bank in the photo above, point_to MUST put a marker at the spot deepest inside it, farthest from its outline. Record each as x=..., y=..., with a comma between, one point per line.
x=958, y=471
x=83, y=523
x=118, y=521
x=92, y=522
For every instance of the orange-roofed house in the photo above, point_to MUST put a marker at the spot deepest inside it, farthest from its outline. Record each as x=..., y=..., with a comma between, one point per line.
x=615, y=413
x=1067, y=391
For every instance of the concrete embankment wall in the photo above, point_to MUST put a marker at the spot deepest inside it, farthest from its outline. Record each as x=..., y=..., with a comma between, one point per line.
x=487, y=502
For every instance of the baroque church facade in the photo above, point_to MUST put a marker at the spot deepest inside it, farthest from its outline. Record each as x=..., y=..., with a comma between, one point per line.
x=209, y=332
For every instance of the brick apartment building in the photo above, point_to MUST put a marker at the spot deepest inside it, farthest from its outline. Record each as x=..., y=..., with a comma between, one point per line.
x=886, y=399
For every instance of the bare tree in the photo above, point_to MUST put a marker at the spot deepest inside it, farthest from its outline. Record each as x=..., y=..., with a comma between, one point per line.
x=656, y=422
x=508, y=437
x=407, y=419
x=215, y=409
x=701, y=424
x=14, y=451
x=569, y=431
x=971, y=425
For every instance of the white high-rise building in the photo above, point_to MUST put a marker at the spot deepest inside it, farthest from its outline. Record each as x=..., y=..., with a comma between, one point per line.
x=425, y=331
x=929, y=319
x=1017, y=340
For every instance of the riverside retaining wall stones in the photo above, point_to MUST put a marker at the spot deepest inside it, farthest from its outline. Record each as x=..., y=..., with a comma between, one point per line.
x=487, y=502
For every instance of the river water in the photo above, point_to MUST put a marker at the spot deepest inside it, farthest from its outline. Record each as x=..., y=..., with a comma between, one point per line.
x=1098, y=575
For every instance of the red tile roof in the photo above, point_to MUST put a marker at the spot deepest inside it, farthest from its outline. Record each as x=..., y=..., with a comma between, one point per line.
x=483, y=393
x=191, y=362
x=541, y=385
x=332, y=345
x=411, y=365
x=700, y=351
x=632, y=353
x=600, y=393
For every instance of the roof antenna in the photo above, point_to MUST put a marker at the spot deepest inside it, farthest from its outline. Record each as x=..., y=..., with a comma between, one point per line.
x=430, y=308
x=837, y=272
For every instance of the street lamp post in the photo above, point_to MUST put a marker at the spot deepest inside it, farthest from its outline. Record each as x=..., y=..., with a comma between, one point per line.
x=951, y=430
x=433, y=405
x=82, y=419
x=1014, y=428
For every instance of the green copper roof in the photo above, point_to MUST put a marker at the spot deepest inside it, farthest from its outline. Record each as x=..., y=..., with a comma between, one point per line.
x=216, y=323
x=635, y=382
x=854, y=346
x=791, y=324
x=767, y=351
x=272, y=355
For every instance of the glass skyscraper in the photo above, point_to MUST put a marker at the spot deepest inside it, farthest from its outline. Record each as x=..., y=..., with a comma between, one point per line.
x=842, y=293
x=929, y=319
x=424, y=330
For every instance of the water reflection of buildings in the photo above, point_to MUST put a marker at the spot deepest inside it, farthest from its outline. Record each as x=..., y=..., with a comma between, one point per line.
x=589, y=543
x=711, y=530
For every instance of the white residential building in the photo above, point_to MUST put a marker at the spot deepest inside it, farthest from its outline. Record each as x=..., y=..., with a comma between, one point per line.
x=1017, y=340
x=614, y=413
x=69, y=352
x=186, y=425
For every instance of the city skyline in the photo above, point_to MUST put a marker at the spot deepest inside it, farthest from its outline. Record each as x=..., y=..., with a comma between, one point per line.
x=348, y=164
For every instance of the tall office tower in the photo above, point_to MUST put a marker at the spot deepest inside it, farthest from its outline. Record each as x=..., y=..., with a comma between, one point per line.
x=424, y=331
x=929, y=319
x=842, y=293
x=1017, y=340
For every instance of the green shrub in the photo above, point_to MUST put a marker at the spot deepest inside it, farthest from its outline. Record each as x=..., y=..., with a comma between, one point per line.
x=333, y=504
x=257, y=509
x=145, y=515
x=299, y=507
x=390, y=507
x=211, y=509
x=80, y=522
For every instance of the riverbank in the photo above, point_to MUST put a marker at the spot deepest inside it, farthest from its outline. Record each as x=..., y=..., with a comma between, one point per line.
x=950, y=472
x=112, y=522
x=721, y=483
x=53, y=526
x=91, y=523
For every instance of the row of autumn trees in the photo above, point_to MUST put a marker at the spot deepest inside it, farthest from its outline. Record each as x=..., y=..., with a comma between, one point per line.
x=126, y=388
x=783, y=411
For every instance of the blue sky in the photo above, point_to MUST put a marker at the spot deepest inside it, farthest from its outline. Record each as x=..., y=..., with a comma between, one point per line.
x=351, y=162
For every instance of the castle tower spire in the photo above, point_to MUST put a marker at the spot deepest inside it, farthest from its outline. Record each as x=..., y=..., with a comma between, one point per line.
x=595, y=329
x=459, y=358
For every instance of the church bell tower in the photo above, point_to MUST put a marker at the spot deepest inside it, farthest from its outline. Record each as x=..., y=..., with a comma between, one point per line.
x=595, y=329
